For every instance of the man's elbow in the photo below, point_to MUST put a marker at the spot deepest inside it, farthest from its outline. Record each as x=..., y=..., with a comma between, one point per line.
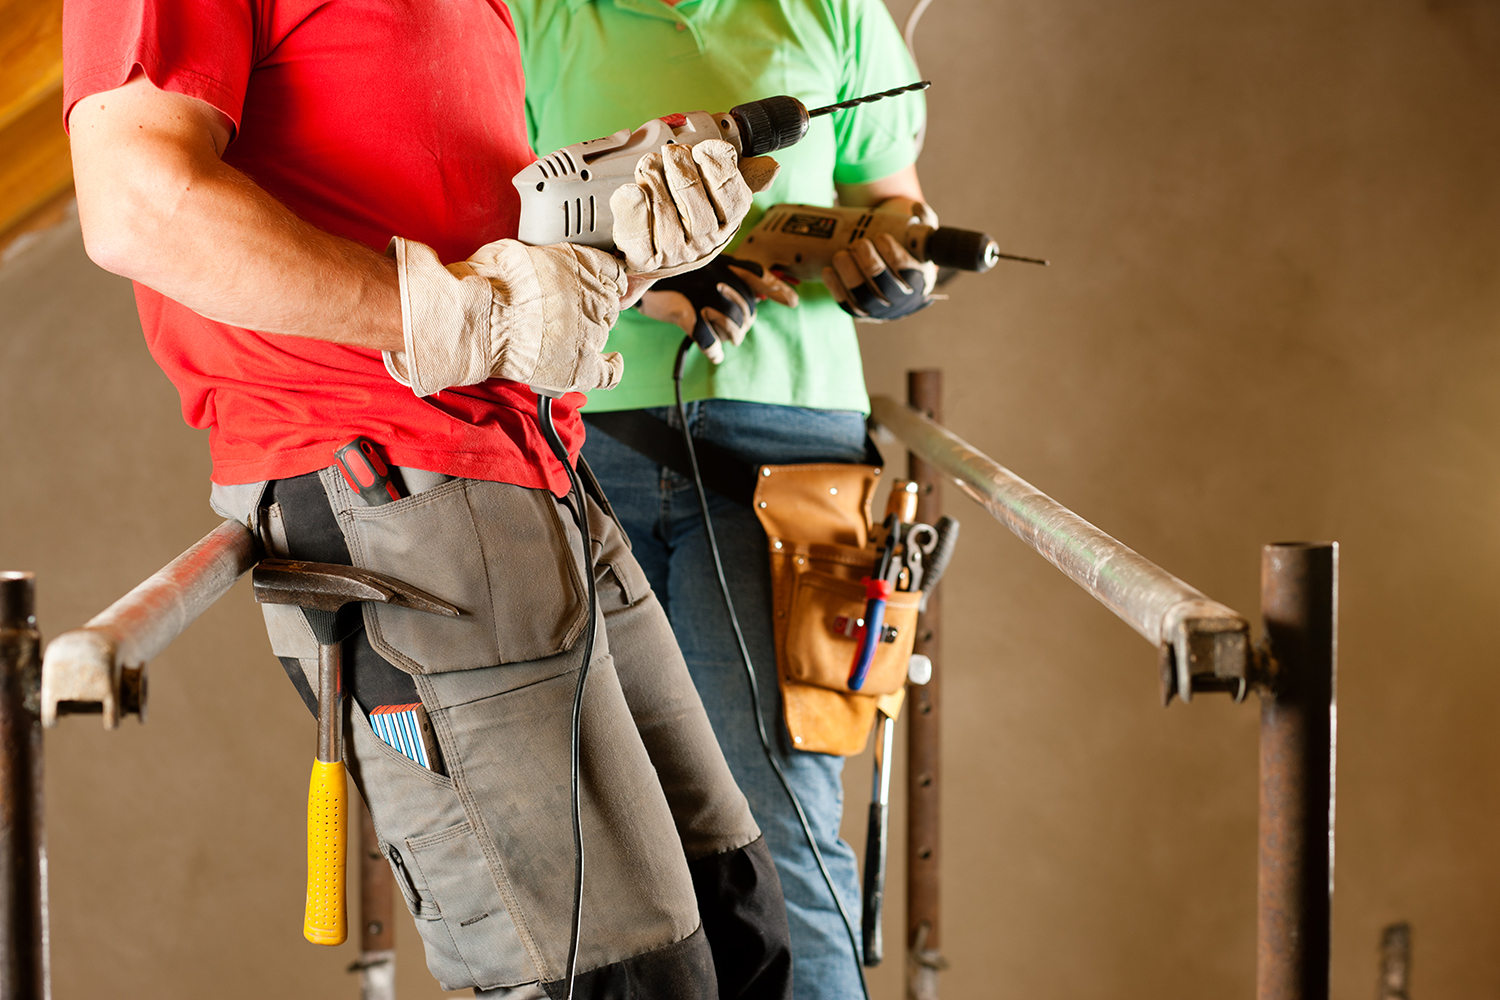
x=127, y=208
x=114, y=221
x=107, y=238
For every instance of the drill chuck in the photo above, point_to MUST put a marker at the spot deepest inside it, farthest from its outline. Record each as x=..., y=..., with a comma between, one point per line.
x=963, y=249
x=770, y=124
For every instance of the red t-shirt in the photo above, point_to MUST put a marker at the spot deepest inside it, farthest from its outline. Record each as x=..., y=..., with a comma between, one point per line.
x=367, y=118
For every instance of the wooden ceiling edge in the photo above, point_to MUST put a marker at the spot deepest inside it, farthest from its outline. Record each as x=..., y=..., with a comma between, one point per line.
x=39, y=92
x=55, y=210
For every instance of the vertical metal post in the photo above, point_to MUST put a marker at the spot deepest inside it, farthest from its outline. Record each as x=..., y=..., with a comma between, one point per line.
x=924, y=391
x=377, y=924
x=23, y=862
x=1299, y=599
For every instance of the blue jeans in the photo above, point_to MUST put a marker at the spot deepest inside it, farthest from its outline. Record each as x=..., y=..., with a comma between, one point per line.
x=659, y=510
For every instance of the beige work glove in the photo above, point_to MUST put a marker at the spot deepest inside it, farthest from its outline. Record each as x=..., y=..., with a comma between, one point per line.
x=685, y=205
x=538, y=315
x=717, y=302
x=877, y=280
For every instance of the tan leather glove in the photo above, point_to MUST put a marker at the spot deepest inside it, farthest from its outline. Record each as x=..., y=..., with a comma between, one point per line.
x=538, y=315
x=877, y=280
x=685, y=205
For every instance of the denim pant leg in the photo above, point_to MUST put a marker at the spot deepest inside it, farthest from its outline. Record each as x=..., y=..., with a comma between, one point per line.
x=660, y=512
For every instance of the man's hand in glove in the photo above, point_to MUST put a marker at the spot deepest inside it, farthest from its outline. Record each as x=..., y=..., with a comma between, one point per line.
x=685, y=205
x=877, y=279
x=538, y=315
x=716, y=302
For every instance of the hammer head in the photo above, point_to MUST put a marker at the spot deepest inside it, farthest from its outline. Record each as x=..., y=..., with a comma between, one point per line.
x=328, y=587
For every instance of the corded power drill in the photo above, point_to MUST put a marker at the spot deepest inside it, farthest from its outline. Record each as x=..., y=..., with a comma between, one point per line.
x=798, y=241
x=565, y=195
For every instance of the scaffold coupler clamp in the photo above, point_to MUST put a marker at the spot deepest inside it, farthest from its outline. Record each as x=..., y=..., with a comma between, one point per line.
x=101, y=667
x=84, y=675
x=1205, y=647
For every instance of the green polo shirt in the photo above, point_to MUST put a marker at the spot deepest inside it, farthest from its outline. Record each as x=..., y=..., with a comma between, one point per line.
x=596, y=66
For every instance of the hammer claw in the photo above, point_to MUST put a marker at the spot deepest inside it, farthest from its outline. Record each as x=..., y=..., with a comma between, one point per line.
x=328, y=587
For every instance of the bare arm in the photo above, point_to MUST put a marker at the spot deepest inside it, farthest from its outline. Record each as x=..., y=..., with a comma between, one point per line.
x=902, y=184
x=158, y=205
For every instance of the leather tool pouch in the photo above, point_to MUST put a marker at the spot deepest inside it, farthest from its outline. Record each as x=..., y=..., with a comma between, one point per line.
x=817, y=521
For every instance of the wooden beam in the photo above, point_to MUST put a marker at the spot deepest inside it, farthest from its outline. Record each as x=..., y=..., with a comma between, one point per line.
x=35, y=166
x=30, y=56
x=34, y=162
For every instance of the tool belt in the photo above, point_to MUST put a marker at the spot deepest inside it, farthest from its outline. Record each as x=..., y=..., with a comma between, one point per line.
x=818, y=527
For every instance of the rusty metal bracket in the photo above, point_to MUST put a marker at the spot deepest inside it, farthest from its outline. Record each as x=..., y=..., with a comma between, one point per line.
x=100, y=668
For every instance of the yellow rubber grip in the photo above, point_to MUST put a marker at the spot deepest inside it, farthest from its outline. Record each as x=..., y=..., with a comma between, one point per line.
x=327, y=821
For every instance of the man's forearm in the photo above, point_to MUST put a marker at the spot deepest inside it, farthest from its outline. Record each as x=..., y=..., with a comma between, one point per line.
x=902, y=184
x=159, y=206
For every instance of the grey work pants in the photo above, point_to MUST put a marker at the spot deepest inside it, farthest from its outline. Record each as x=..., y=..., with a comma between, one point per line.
x=483, y=853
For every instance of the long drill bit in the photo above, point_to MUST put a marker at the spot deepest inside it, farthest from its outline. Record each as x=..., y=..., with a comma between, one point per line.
x=919, y=85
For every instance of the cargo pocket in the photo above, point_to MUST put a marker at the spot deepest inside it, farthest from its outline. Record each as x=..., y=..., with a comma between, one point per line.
x=467, y=930
x=499, y=553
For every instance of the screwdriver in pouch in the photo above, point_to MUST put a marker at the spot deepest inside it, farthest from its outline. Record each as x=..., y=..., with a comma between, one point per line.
x=900, y=509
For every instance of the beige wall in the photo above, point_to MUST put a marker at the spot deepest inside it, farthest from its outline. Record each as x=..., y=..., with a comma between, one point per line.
x=1271, y=314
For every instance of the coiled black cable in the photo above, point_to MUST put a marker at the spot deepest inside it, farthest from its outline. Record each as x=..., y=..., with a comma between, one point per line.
x=579, y=509
x=739, y=636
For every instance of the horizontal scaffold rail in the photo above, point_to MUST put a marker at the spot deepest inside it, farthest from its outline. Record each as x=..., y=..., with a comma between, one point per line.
x=1203, y=645
x=98, y=668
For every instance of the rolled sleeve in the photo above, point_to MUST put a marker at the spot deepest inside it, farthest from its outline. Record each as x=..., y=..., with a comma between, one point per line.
x=875, y=140
x=202, y=49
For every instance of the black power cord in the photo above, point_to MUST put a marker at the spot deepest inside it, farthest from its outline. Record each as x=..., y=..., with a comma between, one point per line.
x=739, y=636
x=579, y=509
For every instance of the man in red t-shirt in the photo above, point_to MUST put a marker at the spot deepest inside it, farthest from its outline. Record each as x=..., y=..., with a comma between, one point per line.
x=285, y=180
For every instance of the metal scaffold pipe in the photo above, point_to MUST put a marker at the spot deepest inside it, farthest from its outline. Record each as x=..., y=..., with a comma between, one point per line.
x=1204, y=645
x=1298, y=734
x=924, y=960
x=99, y=668
x=23, y=849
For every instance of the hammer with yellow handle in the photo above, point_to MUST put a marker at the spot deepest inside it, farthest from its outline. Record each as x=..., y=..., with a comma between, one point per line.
x=320, y=590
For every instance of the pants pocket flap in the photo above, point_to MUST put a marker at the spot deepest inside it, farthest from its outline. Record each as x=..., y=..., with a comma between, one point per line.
x=500, y=553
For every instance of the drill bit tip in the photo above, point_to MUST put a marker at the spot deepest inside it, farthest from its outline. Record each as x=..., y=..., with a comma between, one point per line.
x=869, y=98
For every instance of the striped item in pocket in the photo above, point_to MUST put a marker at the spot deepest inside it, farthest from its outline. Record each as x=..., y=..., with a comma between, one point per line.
x=405, y=729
